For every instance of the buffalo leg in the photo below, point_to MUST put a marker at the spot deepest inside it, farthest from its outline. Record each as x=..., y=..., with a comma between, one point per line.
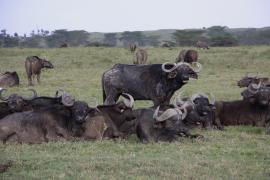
x=29, y=80
x=38, y=78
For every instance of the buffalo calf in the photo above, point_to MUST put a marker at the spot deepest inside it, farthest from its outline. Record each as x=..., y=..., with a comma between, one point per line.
x=33, y=66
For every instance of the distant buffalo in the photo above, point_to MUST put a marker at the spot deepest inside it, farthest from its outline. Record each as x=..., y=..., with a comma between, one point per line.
x=33, y=66
x=249, y=79
x=187, y=56
x=201, y=44
x=132, y=47
x=141, y=57
x=63, y=45
x=9, y=79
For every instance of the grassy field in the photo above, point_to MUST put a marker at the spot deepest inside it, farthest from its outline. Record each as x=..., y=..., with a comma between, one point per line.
x=237, y=153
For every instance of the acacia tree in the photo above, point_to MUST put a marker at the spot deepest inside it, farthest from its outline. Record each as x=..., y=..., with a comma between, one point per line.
x=110, y=39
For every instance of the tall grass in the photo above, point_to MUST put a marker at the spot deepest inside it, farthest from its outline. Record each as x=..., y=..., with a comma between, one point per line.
x=237, y=153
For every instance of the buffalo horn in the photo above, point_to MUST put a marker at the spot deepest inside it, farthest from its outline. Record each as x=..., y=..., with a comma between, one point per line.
x=168, y=70
x=213, y=99
x=130, y=101
x=198, y=67
x=1, y=96
x=167, y=114
x=67, y=99
x=32, y=97
x=59, y=93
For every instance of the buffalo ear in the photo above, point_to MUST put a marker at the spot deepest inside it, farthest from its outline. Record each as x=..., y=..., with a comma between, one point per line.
x=172, y=75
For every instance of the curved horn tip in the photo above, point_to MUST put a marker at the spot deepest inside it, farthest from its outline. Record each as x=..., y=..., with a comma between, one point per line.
x=155, y=115
x=168, y=70
x=1, y=96
x=130, y=101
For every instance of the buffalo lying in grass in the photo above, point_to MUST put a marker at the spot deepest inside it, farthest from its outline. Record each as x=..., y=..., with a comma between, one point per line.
x=173, y=121
x=253, y=110
x=252, y=79
x=9, y=79
x=14, y=102
x=48, y=124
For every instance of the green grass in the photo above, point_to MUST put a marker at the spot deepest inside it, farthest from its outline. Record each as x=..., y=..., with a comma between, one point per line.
x=237, y=153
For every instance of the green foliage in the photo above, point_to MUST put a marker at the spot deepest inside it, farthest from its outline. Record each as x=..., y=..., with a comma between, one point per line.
x=215, y=36
x=110, y=39
x=187, y=37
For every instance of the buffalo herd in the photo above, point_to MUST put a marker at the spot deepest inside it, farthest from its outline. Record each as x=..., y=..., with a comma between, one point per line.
x=37, y=119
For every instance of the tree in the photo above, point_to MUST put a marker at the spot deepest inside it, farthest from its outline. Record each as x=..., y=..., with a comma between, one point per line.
x=187, y=37
x=110, y=39
x=132, y=37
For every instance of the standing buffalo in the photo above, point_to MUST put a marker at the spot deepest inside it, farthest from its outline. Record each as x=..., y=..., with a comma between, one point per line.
x=156, y=82
x=132, y=47
x=141, y=56
x=188, y=56
x=9, y=79
x=33, y=66
x=201, y=44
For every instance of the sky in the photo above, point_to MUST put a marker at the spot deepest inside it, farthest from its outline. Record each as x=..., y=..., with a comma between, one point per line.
x=23, y=16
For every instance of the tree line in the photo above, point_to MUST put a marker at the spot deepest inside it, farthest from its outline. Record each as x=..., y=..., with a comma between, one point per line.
x=214, y=36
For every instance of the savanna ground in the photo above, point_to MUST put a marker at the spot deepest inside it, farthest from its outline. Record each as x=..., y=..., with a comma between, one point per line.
x=237, y=153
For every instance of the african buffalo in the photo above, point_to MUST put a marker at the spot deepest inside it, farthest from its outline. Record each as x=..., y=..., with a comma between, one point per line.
x=169, y=123
x=248, y=79
x=255, y=112
x=156, y=82
x=94, y=128
x=201, y=44
x=202, y=109
x=33, y=66
x=14, y=102
x=9, y=79
x=258, y=94
x=49, y=124
x=132, y=47
x=63, y=45
x=141, y=56
x=119, y=117
x=188, y=56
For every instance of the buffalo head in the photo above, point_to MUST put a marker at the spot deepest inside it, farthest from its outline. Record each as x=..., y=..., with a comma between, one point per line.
x=200, y=109
x=46, y=64
x=249, y=79
x=80, y=110
x=172, y=118
x=182, y=71
x=15, y=101
x=257, y=93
